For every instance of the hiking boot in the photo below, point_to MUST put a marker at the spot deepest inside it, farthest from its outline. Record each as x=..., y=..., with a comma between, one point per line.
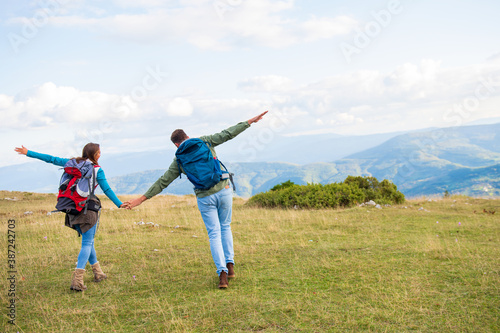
x=77, y=280
x=230, y=270
x=223, y=280
x=98, y=273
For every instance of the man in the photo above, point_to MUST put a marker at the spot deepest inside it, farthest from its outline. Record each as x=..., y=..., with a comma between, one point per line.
x=215, y=204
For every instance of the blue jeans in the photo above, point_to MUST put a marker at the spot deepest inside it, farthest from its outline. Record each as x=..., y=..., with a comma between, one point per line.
x=216, y=210
x=87, y=253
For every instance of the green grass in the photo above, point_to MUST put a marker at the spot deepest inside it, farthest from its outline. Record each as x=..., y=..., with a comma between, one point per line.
x=353, y=270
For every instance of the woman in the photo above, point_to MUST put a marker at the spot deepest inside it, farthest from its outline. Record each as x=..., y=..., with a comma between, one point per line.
x=86, y=225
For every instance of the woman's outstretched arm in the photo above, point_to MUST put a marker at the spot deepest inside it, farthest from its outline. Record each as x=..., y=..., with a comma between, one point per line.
x=42, y=157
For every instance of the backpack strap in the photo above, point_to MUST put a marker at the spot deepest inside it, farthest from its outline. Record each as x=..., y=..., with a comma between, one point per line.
x=230, y=175
x=179, y=166
x=92, y=182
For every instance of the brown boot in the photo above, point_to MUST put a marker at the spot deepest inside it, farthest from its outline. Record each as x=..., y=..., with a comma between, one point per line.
x=230, y=270
x=77, y=280
x=223, y=280
x=98, y=273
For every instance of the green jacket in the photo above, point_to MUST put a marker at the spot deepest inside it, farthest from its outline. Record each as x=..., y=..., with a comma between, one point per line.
x=173, y=170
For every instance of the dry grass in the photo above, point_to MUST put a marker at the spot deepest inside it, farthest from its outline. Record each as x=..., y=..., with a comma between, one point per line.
x=360, y=269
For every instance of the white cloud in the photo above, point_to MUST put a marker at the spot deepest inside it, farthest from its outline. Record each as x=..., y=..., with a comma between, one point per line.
x=49, y=105
x=409, y=97
x=266, y=83
x=327, y=27
x=203, y=24
x=346, y=118
x=179, y=106
x=141, y=4
x=426, y=82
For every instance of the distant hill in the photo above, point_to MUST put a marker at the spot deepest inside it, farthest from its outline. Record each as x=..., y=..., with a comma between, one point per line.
x=303, y=149
x=458, y=160
x=412, y=159
x=467, y=181
x=34, y=177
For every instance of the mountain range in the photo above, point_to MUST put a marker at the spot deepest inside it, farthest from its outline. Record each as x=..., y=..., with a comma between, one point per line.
x=464, y=160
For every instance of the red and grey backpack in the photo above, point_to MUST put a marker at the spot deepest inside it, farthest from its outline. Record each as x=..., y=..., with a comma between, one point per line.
x=76, y=187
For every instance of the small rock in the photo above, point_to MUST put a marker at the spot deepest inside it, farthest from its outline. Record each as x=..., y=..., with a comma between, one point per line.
x=140, y=223
x=28, y=213
x=371, y=203
x=378, y=207
x=176, y=227
x=194, y=236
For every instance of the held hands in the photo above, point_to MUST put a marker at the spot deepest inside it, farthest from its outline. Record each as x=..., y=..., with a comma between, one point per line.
x=256, y=118
x=133, y=203
x=22, y=151
x=125, y=205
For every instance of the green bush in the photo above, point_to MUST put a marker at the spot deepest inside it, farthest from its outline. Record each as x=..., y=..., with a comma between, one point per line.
x=353, y=191
x=281, y=186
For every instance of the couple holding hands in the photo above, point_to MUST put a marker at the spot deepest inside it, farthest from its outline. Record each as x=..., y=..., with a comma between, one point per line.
x=214, y=204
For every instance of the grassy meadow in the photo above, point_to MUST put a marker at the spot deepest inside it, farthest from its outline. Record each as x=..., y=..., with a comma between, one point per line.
x=422, y=266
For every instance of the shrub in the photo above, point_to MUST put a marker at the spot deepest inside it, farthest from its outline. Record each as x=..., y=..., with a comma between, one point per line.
x=352, y=191
x=283, y=185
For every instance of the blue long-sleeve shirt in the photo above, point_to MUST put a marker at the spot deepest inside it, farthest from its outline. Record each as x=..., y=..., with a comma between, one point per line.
x=101, y=177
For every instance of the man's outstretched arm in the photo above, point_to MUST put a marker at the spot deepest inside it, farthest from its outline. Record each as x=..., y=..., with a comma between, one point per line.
x=231, y=132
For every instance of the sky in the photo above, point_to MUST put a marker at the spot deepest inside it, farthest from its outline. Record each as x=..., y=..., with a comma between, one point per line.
x=127, y=73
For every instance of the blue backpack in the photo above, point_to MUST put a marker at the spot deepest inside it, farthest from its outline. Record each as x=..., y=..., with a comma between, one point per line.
x=201, y=167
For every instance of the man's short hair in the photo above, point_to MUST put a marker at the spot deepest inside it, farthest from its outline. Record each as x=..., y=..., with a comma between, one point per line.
x=178, y=136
